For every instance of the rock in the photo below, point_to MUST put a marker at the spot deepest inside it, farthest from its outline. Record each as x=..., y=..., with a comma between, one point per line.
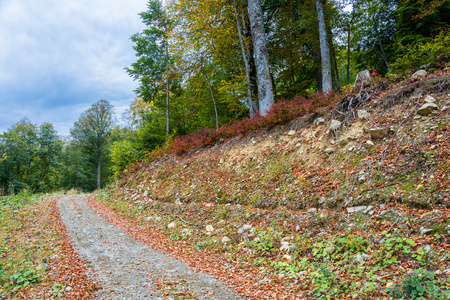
x=68, y=289
x=390, y=285
x=335, y=125
x=244, y=228
x=424, y=230
x=284, y=246
x=430, y=218
x=369, y=143
x=356, y=209
x=291, y=132
x=208, y=204
x=328, y=150
x=362, y=114
x=363, y=77
x=238, y=207
x=369, y=209
x=362, y=257
x=419, y=74
x=319, y=121
x=322, y=200
x=343, y=142
x=172, y=225
x=287, y=257
x=209, y=228
x=42, y=267
x=312, y=210
x=430, y=99
x=225, y=239
x=178, y=202
x=427, y=109
x=378, y=132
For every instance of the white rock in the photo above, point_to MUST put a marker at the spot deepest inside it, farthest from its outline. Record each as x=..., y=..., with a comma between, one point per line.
x=225, y=239
x=312, y=210
x=430, y=99
x=178, y=202
x=419, y=74
x=362, y=257
x=335, y=125
x=390, y=285
x=287, y=257
x=328, y=150
x=209, y=228
x=244, y=228
x=291, y=132
x=363, y=114
x=319, y=121
x=425, y=230
x=369, y=143
x=356, y=209
x=172, y=225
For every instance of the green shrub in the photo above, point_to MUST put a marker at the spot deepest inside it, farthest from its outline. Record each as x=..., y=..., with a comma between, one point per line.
x=421, y=284
x=423, y=53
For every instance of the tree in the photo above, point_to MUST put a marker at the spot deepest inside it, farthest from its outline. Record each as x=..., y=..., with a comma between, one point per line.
x=324, y=49
x=91, y=132
x=265, y=86
x=46, y=175
x=245, y=41
x=152, y=47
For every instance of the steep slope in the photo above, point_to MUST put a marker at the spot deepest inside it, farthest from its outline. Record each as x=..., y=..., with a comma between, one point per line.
x=347, y=203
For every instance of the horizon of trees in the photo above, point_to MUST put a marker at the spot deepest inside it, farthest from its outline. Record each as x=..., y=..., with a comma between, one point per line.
x=201, y=64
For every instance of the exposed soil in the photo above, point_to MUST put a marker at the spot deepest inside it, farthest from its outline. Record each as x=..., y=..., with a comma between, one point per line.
x=124, y=267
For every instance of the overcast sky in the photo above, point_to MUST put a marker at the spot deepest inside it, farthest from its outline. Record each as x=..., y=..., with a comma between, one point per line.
x=57, y=57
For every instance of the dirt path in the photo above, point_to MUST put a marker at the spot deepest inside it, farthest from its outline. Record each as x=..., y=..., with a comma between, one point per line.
x=124, y=267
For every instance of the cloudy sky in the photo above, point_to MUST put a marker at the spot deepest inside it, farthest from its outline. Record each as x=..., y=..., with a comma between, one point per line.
x=58, y=57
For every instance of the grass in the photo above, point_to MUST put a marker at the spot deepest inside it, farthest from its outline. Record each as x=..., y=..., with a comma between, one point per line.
x=27, y=242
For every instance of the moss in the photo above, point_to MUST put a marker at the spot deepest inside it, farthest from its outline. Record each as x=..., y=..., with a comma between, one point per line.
x=442, y=228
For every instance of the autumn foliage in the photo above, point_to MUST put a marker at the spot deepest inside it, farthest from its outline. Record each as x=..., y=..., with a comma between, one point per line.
x=281, y=112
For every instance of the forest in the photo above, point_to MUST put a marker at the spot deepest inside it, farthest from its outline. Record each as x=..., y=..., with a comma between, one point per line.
x=211, y=69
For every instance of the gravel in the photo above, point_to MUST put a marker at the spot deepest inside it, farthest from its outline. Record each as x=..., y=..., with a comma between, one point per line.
x=124, y=267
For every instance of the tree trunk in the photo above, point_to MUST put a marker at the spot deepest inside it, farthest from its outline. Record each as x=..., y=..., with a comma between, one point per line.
x=167, y=92
x=382, y=53
x=98, y=172
x=324, y=49
x=265, y=86
x=348, y=56
x=212, y=97
x=249, y=62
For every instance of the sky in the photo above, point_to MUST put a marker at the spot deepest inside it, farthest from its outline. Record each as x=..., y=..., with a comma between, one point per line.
x=59, y=57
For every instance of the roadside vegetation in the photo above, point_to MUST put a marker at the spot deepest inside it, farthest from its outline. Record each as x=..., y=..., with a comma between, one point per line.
x=36, y=260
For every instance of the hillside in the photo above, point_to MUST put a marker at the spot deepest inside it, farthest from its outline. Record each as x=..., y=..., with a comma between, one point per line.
x=352, y=202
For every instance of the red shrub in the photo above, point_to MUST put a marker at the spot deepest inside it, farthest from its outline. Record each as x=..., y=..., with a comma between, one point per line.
x=281, y=112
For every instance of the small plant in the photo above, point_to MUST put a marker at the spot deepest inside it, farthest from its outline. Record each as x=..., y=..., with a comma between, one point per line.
x=24, y=277
x=57, y=289
x=421, y=284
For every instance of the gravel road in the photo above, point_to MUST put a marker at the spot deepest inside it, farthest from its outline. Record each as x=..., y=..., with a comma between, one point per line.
x=124, y=267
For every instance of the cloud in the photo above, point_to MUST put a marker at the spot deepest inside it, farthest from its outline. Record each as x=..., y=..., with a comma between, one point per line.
x=59, y=57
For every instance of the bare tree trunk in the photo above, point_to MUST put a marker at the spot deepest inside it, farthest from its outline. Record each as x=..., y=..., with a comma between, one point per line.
x=167, y=92
x=348, y=56
x=382, y=53
x=212, y=97
x=98, y=172
x=324, y=49
x=265, y=86
x=247, y=54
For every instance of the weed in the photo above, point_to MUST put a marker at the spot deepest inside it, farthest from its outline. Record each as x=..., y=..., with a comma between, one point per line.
x=420, y=285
